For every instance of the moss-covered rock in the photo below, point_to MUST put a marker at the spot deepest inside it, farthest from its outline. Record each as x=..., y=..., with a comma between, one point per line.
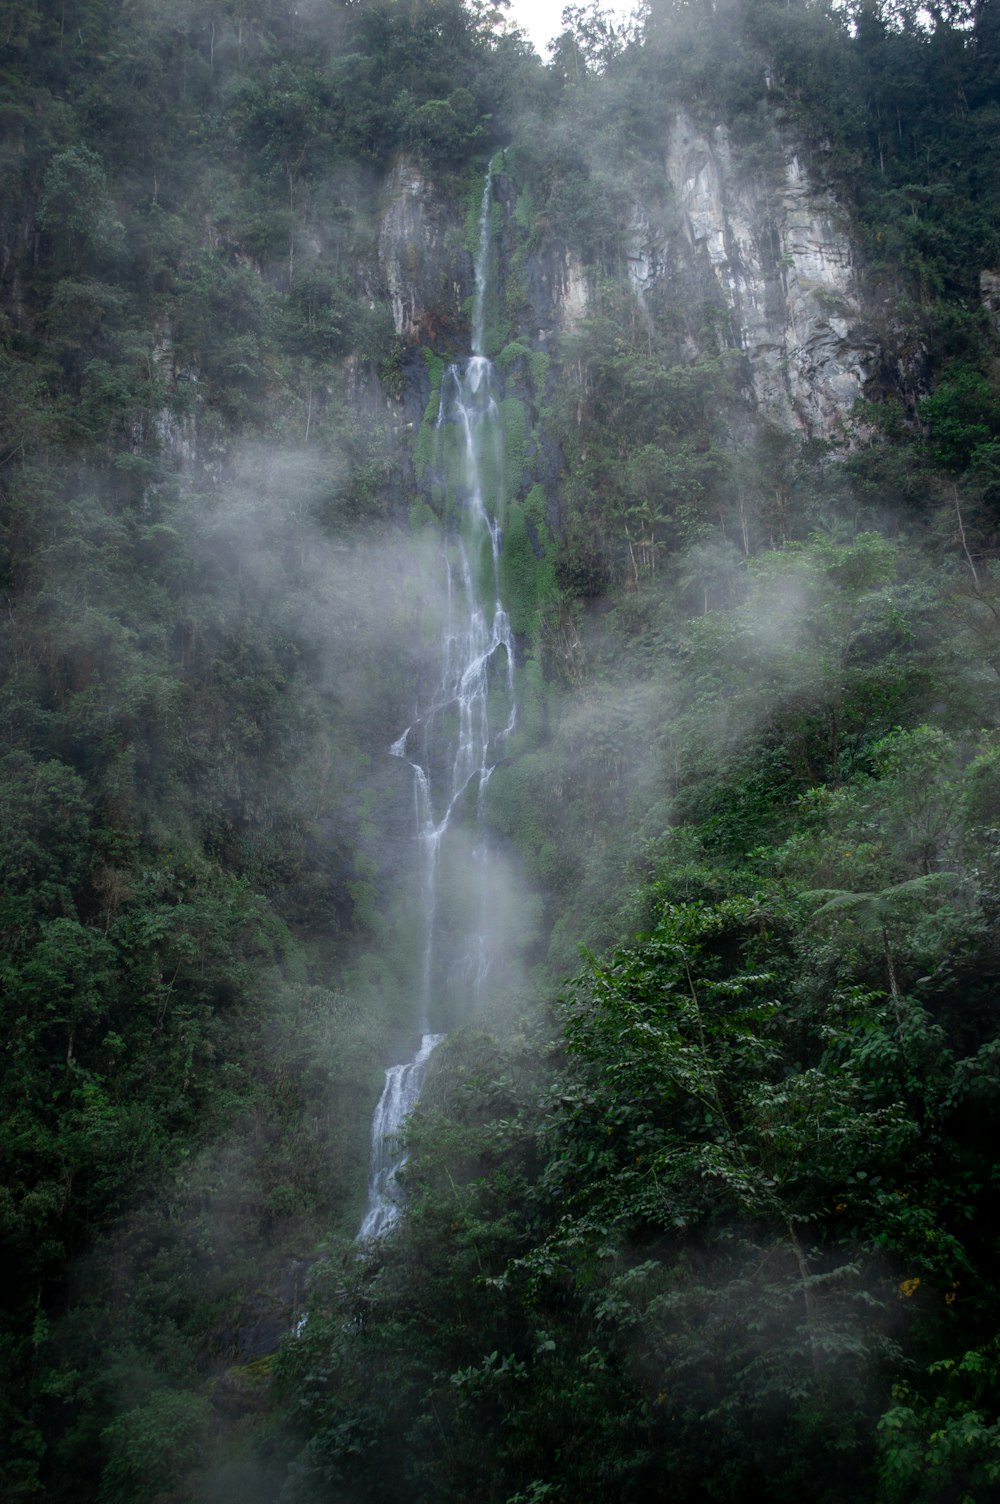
x=527, y=572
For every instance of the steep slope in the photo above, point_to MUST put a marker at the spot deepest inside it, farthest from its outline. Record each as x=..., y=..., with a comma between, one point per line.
x=701, y=1221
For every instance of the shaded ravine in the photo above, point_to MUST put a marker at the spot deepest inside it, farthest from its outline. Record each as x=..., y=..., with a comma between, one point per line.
x=455, y=741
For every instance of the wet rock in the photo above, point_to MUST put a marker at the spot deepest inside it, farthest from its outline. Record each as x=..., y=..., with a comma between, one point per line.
x=763, y=257
x=772, y=245
x=425, y=270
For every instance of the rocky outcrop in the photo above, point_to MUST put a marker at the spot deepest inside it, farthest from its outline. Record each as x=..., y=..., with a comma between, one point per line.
x=760, y=260
x=764, y=259
x=774, y=245
x=424, y=270
x=559, y=293
x=427, y=277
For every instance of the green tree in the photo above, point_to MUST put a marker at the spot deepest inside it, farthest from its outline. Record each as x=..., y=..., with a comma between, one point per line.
x=76, y=210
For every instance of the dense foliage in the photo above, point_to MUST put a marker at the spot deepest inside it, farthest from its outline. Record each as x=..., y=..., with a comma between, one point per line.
x=715, y=1219
x=730, y=1232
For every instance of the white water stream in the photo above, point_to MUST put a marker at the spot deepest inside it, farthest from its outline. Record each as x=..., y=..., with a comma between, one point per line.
x=456, y=740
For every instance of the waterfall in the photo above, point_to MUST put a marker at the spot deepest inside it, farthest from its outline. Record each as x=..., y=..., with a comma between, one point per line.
x=399, y=1095
x=482, y=265
x=456, y=739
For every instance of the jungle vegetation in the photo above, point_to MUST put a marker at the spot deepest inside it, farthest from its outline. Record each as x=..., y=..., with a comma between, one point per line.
x=703, y=1212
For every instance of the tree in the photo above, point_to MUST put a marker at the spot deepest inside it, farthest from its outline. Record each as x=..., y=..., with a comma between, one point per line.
x=873, y=913
x=76, y=210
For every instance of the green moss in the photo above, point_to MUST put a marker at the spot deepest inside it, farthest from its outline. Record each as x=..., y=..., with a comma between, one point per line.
x=513, y=806
x=518, y=571
x=539, y=367
x=424, y=451
x=532, y=694
x=421, y=516
x=514, y=426
x=364, y=899
x=473, y=205
x=524, y=215
x=512, y=353
x=451, y=457
x=515, y=294
x=444, y=449
x=535, y=508
x=436, y=366
x=527, y=580
x=258, y=1371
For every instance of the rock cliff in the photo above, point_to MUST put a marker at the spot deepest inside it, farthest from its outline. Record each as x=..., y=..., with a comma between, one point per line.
x=767, y=250
x=424, y=270
x=778, y=251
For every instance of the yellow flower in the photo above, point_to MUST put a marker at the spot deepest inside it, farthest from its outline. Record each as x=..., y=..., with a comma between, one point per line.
x=909, y=1287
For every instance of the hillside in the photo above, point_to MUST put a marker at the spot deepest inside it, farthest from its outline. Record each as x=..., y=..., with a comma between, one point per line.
x=701, y=321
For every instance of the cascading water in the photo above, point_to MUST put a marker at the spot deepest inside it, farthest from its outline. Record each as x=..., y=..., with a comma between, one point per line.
x=399, y=1095
x=456, y=740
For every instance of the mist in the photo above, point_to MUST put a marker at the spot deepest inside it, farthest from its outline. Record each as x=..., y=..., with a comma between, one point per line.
x=499, y=599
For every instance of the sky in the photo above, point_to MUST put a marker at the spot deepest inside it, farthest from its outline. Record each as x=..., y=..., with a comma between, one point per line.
x=542, y=19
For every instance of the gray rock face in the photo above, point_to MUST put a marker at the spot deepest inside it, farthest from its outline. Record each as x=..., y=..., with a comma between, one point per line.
x=765, y=252
x=425, y=272
x=559, y=293
x=785, y=268
x=770, y=251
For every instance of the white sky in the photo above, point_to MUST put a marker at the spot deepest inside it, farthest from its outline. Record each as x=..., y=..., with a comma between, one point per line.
x=541, y=19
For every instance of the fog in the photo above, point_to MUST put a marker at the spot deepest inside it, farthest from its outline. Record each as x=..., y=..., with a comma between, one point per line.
x=340, y=717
